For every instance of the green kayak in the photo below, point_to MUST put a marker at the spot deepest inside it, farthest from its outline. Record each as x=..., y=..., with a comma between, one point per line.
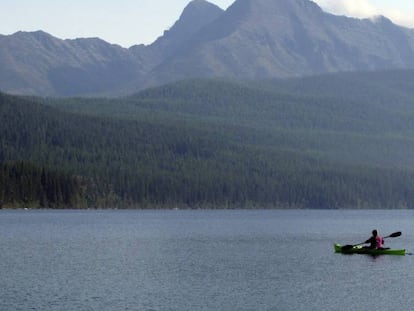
x=369, y=251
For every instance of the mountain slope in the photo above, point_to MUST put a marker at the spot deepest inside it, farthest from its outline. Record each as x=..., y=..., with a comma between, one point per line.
x=196, y=15
x=357, y=118
x=278, y=38
x=251, y=39
x=37, y=63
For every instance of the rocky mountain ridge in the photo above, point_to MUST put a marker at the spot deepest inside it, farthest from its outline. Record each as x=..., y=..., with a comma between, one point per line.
x=252, y=39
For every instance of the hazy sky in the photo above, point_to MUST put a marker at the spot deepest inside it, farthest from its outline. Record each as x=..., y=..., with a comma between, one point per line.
x=129, y=22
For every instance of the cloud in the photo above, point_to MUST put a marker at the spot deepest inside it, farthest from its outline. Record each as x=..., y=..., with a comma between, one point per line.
x=366, y=8
x=355, y=8
x=401, y=18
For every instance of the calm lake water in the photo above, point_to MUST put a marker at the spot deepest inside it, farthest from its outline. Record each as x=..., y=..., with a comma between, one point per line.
x=202, y=260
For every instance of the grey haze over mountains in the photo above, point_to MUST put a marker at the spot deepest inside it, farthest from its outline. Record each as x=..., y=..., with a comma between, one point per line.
x=252, y=39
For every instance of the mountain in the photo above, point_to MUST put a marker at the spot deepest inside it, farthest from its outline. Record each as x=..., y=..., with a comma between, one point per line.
x=195, y=16
x=279, y=38
x=252, y=39
x=38, y=63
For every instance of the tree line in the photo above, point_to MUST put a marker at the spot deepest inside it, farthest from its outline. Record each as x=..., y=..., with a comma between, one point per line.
x=24, y=185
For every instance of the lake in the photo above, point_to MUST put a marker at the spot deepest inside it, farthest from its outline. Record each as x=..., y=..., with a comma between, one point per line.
x=202, y=260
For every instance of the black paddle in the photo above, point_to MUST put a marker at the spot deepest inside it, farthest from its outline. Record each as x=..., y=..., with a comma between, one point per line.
x=349, y=247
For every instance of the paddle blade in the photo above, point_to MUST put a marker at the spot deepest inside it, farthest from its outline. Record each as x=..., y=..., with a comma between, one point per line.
x=395, y=234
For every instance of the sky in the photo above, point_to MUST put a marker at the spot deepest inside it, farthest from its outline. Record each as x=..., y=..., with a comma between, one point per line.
x=130, y=22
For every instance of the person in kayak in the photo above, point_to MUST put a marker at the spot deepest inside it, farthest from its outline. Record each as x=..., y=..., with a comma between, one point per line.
x=375, y=241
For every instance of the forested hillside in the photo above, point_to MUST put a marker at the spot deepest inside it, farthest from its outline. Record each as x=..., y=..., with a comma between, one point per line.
x=220, y=144
x=24, y=185
x=354, y=118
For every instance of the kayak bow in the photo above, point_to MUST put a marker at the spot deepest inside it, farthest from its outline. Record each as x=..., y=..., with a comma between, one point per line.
x=370, y=251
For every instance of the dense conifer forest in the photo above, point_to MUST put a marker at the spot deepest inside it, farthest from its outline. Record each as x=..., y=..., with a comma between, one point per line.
x=337, y=141
x=24, y=185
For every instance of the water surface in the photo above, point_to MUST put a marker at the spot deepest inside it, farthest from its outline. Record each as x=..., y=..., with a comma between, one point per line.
x=201, y=260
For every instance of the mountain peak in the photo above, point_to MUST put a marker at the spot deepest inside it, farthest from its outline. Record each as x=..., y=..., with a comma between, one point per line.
x=381, y=19
x=273, y=15
x=39, y=35
x=276, y=6
x=195, y=15
x=199, y=4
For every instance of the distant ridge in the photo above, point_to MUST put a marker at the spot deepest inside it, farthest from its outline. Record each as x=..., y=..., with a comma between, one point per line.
x=38, y=63
x=252, y=39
